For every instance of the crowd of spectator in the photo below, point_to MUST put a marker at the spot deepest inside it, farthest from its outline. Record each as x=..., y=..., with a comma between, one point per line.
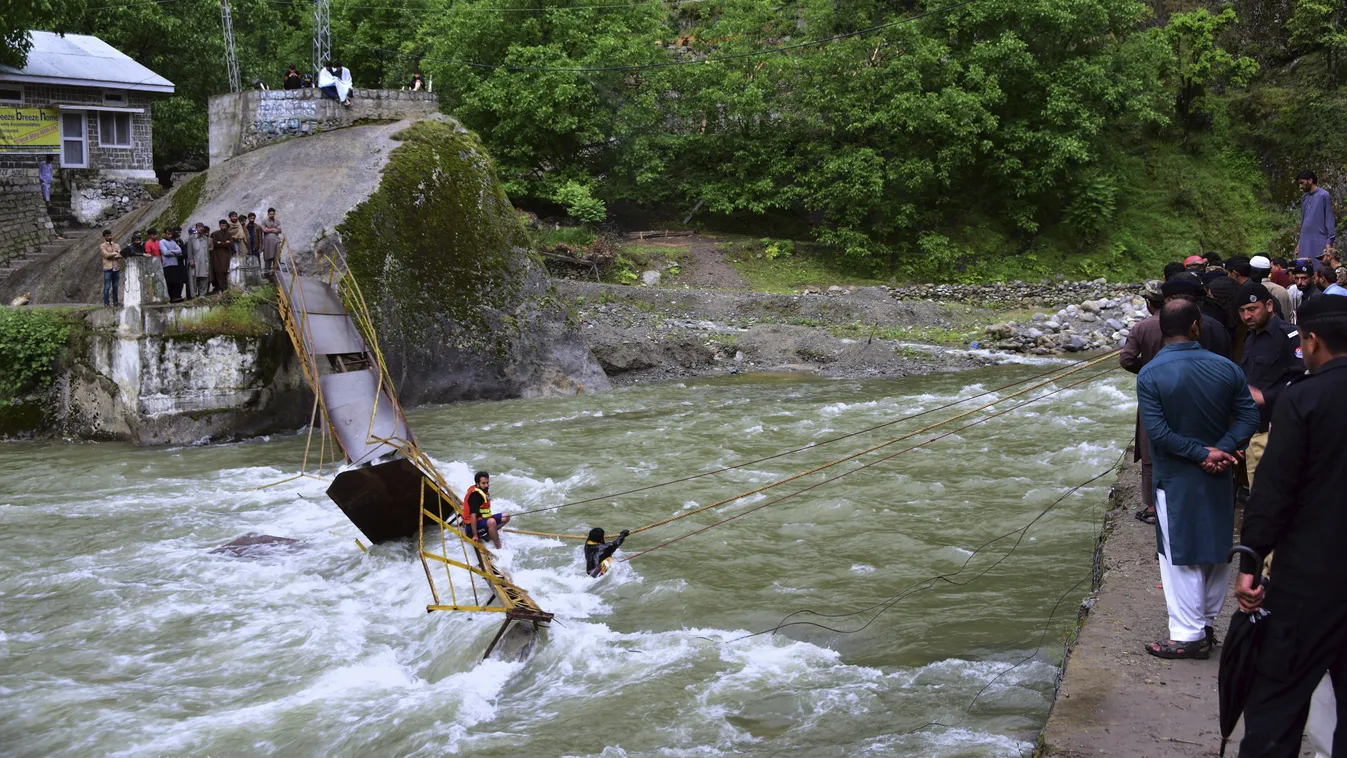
x=195, y=263
x=1241, y=381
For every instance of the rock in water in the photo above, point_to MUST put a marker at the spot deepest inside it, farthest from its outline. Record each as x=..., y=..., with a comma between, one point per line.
x=253, y=544
x=462, y=308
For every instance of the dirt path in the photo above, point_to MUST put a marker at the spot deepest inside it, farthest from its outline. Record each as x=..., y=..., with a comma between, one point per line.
x=701, y=262
x=1115, y=699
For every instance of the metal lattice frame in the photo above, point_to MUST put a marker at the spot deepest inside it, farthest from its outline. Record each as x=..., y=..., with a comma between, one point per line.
x=231, y=57
x=322, y=35
x=438, y=501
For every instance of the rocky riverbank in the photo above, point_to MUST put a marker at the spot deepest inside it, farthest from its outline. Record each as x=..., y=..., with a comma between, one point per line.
x=641, y=334
x=1098, y=324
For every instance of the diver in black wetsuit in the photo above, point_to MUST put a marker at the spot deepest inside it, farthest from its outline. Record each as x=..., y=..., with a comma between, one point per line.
x=598, y=554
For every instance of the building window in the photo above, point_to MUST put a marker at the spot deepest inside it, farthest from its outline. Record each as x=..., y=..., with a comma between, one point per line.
x=114, y=97
x=73, y=152
x=114, y=129
x=11, y=94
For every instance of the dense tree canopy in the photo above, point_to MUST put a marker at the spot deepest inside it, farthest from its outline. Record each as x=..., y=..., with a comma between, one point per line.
x=888, y=126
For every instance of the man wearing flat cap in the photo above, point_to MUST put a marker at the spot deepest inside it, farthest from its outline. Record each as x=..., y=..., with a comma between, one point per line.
x=1298, y=508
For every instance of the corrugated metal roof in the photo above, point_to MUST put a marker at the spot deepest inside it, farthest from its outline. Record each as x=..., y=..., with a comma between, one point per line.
x=83, y=60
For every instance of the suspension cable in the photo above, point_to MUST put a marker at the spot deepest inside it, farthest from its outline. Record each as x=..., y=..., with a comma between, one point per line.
x=867, y=465
x=811, y=445
x=830, y=464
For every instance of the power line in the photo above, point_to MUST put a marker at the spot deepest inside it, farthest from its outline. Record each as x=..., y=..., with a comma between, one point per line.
x=810, y=446
x=670, y=64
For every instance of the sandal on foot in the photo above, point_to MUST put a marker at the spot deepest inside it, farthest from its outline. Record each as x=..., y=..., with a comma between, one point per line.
x=1146, y=516
x=1197, y=649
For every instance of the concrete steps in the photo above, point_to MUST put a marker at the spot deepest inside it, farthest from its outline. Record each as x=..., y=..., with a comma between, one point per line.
x=48, y=250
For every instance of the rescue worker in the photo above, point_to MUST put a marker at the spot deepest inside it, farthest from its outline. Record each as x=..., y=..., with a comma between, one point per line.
x=599, y=554
x=477, y=516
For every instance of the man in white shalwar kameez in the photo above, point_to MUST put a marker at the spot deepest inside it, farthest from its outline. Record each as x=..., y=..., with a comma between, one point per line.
x=335, y=82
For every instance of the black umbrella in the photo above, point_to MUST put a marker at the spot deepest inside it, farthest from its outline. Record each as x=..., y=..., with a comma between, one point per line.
x=1239, y=654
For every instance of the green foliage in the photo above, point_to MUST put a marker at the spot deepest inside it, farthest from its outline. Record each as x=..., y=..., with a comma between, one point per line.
x=1092, y=205
x=773, y=249
x=185, y=199
x=1321, y=25
x=1199, y=63
x=17, y=17
x=574, y=237
x=580, y=204
x=239, y=314
x=440, y=233
x=31, y=341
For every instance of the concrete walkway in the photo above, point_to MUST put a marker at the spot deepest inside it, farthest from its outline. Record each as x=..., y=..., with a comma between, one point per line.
x=1115, y=699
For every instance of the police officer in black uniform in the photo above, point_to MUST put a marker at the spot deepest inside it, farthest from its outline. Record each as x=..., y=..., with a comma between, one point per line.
x=1271, y=356
x=1297, y=508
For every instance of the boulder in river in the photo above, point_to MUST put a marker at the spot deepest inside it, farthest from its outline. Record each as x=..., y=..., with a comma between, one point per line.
x=253, y=544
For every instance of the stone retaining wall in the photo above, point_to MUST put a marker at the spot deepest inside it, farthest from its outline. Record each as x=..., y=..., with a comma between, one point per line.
x=24, y=224
x=244, y=121
x=95, y=199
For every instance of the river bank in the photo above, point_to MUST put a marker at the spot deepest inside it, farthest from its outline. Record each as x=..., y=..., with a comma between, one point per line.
x=1114, y=698
x=651, y=334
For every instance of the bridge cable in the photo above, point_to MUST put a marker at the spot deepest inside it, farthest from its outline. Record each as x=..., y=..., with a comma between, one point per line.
x=864, y=466
x=844, y=459
x=810, y=446
x=931, y=582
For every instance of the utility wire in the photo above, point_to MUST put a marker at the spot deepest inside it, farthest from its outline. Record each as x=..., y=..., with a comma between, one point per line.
x=930, y=582
x=810, y=446
x=890, y=456
x=670, y=64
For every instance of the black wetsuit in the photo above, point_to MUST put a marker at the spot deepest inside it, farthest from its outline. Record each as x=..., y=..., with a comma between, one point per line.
x=598, y=552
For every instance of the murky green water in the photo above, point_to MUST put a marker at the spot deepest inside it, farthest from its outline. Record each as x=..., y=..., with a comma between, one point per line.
x=121, y=635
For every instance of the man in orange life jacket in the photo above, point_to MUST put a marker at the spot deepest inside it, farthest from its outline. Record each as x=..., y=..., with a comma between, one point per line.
x=477, y=517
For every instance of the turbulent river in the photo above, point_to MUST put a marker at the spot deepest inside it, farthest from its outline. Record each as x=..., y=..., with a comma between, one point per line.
x=120, y=634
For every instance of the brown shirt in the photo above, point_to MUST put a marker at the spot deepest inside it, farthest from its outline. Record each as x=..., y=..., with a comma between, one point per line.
x=112, y=256
x=221, y=249
x=1143, y=343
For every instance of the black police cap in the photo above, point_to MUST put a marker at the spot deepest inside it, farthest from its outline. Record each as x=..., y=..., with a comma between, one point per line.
x=1252, y=292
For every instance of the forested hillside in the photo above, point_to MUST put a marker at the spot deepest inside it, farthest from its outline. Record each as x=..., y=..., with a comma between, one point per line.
x=927, y=139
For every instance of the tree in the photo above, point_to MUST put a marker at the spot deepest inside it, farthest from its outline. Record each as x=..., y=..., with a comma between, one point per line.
x=1199, y=63
x=18, y=17
x=1321, y=25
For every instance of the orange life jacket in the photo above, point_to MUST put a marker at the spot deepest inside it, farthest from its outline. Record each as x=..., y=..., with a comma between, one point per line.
x=485, y=510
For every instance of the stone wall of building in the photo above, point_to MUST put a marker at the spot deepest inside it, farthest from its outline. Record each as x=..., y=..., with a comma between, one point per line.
x=24, y=224
x=244, y=121
x=135, y=161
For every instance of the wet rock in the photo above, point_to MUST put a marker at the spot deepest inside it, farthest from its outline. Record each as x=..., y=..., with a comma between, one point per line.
x=253, y=544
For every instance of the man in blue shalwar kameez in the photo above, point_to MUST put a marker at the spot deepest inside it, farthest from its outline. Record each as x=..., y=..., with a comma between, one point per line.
x=1187, y=397
x=1318, y=229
